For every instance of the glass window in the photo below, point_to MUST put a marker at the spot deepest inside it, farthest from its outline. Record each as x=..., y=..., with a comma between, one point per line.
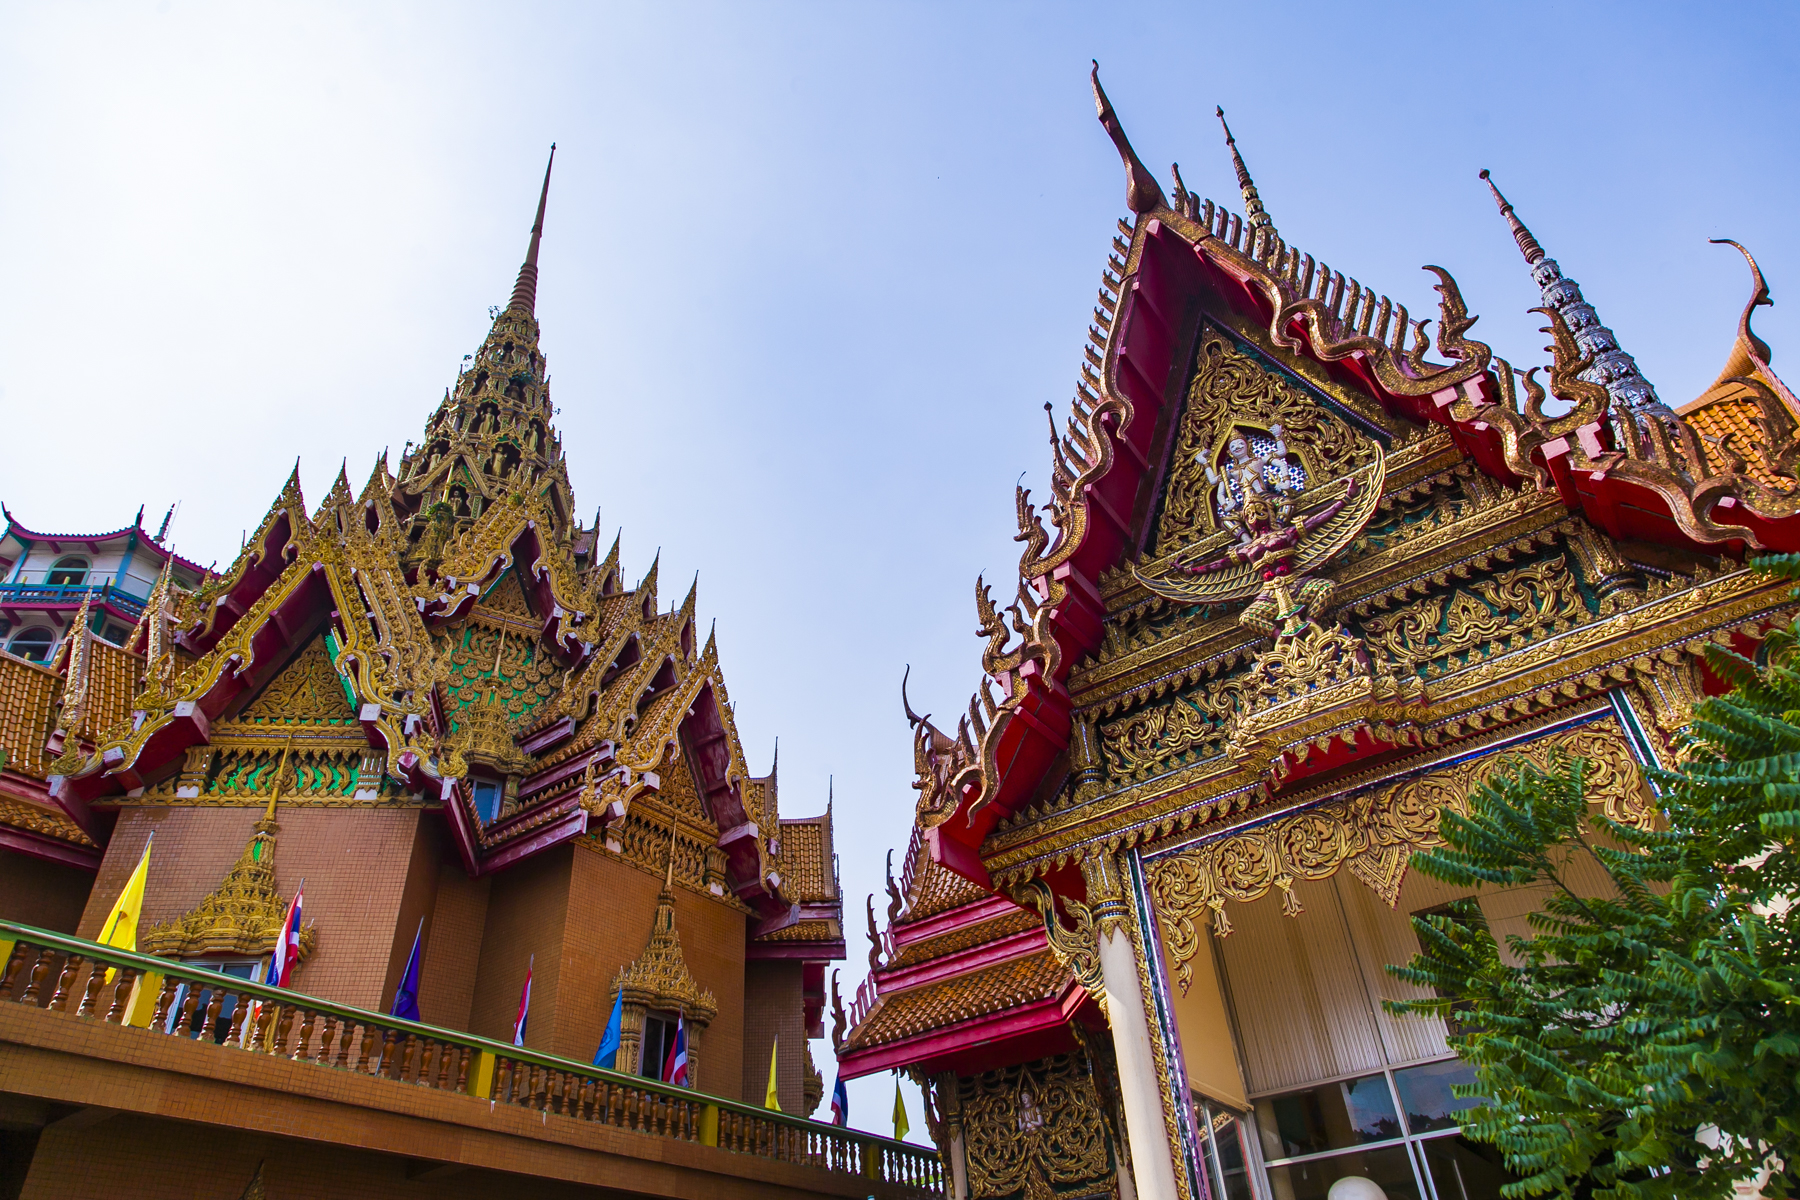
x=659, y=1033
x=68, y=572
x=116, y=634
x=1425, y=1094
x=33, y=644
x=1332, y=1116
x=1464, y=1170
x=1388, y=1168
x=487, y=799
x=1224, y=1150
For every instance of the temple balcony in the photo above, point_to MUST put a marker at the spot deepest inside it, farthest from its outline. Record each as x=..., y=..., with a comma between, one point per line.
x=171, y=1070
x=68, y=596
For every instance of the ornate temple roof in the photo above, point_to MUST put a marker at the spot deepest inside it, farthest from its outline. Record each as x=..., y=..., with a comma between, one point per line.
x=1000, y=793
x=447, y=637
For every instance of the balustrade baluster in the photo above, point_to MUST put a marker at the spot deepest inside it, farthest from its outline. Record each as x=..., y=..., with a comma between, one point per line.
x=323, y=1058
x=504, y=1082
x=121, y=993
x=540, y=1088
x=584, y=1107
x=210, y=1030
x=555, y=1098
x=40, y=971
x=259, y=1030
x=308, y=1016
x=90, y=997
x=170, y=986
x=445, y=1052
x=14, y=964
x=412, y=1055
x=462, y=1070
x=365, y=1041
x=390, y=1041
x=278, y=1029
x=59, y=1000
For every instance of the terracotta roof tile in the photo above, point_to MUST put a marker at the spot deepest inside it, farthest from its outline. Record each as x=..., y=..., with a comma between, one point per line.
x=963, y=937
x=1021, y=981
x=27, y=696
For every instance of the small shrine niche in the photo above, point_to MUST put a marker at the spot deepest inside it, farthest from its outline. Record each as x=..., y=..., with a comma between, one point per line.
x=658, y=989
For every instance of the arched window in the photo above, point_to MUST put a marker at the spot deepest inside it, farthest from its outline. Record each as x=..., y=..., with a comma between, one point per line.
x=33, y=644
x=68, y=572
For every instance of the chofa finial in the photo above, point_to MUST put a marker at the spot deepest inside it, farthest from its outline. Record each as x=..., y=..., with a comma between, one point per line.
x=1254, y=213
x=1528, y=245
x=1142, y=193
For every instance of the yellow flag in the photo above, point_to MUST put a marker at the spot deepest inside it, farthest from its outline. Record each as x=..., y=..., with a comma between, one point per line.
x=120, y=929
x=901, y=1125
x=770, y=1099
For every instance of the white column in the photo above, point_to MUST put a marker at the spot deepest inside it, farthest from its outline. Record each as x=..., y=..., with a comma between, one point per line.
x=1152, y=1148
x=959, y=1167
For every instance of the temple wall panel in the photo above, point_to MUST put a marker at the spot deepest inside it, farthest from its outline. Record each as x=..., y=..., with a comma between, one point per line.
x=527, y=908
x=356, y=863
x=1302, y=1009
x=1208, y=1049
x=1506, y=909
x=46, y=894
x=773, y=1008
x=452, y=955
x=1383, y=935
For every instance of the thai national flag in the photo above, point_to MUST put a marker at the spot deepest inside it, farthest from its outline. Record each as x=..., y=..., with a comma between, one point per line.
x=675, y=1066
x=524, y=1006
x=840, y=1103
x=287, y=946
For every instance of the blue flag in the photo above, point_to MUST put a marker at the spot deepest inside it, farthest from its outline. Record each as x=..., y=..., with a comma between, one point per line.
x=406, y=996
x=608, y=1054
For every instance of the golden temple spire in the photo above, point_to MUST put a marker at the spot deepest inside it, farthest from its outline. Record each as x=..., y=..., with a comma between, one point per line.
x=75, y=686
x=524, y=297
x=1254, y=213
x=1611, y=367
x=275, y=791
x=1528, y=245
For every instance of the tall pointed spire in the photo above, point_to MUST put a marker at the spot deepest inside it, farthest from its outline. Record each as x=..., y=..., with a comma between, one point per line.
x=493, y=435
x=524, y=297
x=1254, y=212
x=1612, y=368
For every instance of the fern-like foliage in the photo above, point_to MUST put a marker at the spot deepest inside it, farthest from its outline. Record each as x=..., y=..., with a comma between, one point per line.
x=1643, y=1044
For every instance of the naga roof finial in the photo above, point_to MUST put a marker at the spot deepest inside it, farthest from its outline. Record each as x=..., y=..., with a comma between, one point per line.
x=1142, y=193
x=1254, y=212
x=524, y=297
x=1611, y=367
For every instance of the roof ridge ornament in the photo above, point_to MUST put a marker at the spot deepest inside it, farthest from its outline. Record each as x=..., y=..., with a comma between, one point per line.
x=1142, y=193
x=1255, y=215
x=1610, y=367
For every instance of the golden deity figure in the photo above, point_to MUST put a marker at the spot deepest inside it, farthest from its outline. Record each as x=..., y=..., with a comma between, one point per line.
x=1275, y=555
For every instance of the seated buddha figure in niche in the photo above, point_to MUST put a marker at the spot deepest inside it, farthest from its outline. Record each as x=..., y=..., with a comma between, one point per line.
x=1274, y=553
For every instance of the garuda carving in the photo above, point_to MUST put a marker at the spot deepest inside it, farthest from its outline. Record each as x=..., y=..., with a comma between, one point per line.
x=1275, y=552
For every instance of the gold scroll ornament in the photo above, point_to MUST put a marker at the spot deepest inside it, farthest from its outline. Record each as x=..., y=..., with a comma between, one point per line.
x=1373, y=834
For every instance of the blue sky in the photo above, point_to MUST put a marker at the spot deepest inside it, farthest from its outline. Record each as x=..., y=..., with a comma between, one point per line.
x=810, y=270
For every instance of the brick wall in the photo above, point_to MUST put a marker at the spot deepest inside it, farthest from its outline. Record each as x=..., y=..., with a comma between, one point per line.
x=772, y=1008
x=356, y=863
x=612, y=904
x=526, y=909
x=46, y=894
x=452, y=953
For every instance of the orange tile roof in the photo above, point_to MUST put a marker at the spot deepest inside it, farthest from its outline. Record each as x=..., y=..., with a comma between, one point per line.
x=36, y=818
x=27, y=712
x=965, y=936
x=1007, y=985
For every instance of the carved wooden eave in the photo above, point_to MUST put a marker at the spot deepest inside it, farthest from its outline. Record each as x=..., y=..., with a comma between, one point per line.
x=1635, y=480
x=243, y=916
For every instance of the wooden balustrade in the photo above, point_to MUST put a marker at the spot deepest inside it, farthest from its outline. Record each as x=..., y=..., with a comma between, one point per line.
x=48, y=970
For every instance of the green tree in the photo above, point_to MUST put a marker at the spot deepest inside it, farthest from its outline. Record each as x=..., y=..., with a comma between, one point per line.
x=1645, y=1043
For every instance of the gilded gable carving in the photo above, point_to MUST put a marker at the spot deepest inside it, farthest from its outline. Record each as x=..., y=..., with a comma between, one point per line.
x=1235, y=393
x=1033, y=1130
x=308, y=691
